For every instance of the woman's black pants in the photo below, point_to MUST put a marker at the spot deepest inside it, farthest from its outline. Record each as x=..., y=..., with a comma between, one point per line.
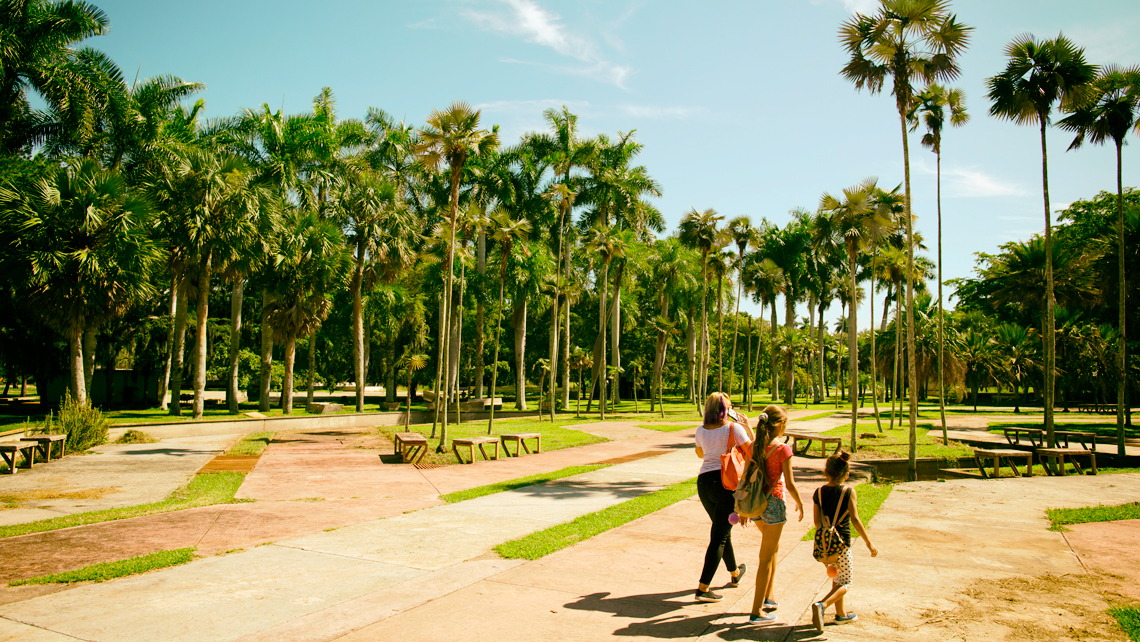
x=718, y=503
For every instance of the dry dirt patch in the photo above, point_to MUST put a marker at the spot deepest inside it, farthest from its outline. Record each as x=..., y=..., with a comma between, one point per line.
x=1047, y=608
x=16, y=500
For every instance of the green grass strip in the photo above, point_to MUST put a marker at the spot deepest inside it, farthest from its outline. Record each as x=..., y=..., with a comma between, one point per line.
x=203, y=490
x=555, y=538
x=668, y=427
x=511, y=484
x=1061, y=517
x=868, y=498
x=252, y=444
x=110, y=570
x=1128, y=617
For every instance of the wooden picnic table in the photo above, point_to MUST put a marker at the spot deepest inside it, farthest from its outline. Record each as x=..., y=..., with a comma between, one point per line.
x=45, y=443
x=1077, y=436
x=982, y=455
x=809, y=437
x=10, y=449
x=410, y=446
x=1013, y=434
x=520, y=439
x=1053, y=459
x=470, y=443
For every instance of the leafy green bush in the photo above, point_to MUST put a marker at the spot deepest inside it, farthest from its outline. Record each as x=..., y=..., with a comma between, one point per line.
x=84, y=426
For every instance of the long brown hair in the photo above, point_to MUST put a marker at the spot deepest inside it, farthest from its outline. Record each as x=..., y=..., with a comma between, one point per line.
x=769, y=418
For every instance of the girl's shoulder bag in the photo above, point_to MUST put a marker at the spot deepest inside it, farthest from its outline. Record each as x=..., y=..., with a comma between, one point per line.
x=829, y=543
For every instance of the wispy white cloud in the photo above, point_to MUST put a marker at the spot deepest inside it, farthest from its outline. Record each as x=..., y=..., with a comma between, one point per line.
x=657, y=112
x=531, y=106
x=541, y=27
x=969, y=182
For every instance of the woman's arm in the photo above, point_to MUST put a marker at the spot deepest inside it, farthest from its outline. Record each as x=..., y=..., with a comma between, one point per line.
x=858, y=523
x=818, y=515
x=700, y=452
x=790, y=482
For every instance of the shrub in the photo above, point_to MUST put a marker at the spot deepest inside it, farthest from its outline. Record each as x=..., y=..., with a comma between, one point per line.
x=84, y=426
x=133, y=436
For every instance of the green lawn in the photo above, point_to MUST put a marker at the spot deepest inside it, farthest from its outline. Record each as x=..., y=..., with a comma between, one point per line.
x=491, y=489
x=251, y=444
x=1102, y=429
x=1061, y=517
x=203, y=490
x=868, y=498
x=896, y=443
x=555, y=436
x=110, y=570
x=556, y=538
x=1128, y=617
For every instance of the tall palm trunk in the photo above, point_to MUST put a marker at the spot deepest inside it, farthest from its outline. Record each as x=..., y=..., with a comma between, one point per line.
x=287, y=381
x=775, y=361
x=720, y=333
x=691, y=354
x=441, y=394
x=311, y=379
x=853, y=348
x=77, y=384
x=498, y=340
x=736, y=329
x=481, y=268
x=615, y=339
x=266, y=356
x=912, y=371
x=203, y=314
x=789, y=362
x=519, y=324
x=703, y=357
x=941, y=339
x=747, y=387
x=602, y=335
x=1122, y=291
x=177, y=352
x=459, y=341
x=822, y=369
x=874, y=355
x=164, y=383
x=759, y=351
x=88, y=359
x=236, y=297
x=816, y=376
x=897, y=397
x=358, y=324
x=566, y=343
x=1050, y=322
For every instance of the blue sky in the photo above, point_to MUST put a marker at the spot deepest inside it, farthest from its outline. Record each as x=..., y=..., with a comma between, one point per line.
x=740, y=105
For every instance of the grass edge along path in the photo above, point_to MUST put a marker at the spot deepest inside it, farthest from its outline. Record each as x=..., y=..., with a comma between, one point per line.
x=1128, y=617
x=511, y=484
x=868, y=498
x=555, y=538
x=1059, y=518
x=202, y=490
x=104, y=571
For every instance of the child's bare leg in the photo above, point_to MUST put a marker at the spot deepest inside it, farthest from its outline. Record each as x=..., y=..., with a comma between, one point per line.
x=766, y=570
x=835, y=596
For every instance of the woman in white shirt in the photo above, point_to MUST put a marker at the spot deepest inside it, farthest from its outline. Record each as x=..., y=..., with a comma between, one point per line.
x=712, y=441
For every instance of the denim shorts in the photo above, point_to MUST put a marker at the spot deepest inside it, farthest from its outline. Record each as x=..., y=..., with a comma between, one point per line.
x=776, y=512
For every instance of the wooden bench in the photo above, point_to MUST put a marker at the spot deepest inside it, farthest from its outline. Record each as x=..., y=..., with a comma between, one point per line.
x=45, y=442
x=809, y=437
x=1036, y=436
x=981, y=455
x=520, y=442
x=10, y=449
x=410, y=446
x=471, y=442
x=1087, y=440
x=1053, y=459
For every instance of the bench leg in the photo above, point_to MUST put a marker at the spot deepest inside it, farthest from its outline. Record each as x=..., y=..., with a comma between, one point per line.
x=507, y=450
x=981, y=467
x=522, y=444
x=11, y=461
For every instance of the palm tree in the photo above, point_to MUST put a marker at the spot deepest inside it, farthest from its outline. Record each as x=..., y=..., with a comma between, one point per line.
x=720, y=263
x=412, y=364
x=506, y=232
x=667, y=267
x=892, y=266
x=1018, y=356
x=38, y=36
x=1038, y=75
x=908, y=40
x=309, y=262
x=452, y=136
x=931, y=105
x=565, y=151
x=743, y=235
x=580, y=361
x=1111, y=113
x=698, y=230
x=85, y=253
x=376, y=227
x=607, y=244
x=788, y=248
x=855, y=219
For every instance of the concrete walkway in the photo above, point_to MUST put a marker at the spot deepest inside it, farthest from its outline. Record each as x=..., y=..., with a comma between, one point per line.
x=431, y=574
